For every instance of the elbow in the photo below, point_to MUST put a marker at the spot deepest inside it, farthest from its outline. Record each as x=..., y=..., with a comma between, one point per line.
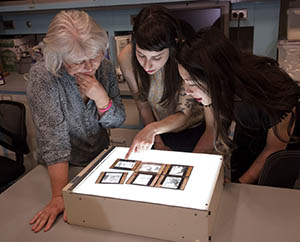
x=120, y=121
x=115, y=120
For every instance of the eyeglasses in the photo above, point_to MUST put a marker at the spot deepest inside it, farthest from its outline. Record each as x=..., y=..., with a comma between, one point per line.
x=84, y=63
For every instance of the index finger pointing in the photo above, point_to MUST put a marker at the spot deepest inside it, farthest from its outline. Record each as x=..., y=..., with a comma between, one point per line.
x=132, y=147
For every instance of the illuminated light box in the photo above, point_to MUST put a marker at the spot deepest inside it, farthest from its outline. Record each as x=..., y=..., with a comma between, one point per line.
x=160, y=194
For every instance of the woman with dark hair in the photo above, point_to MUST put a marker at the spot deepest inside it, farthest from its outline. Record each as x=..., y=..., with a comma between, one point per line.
x=251, y=105
x=148, y=65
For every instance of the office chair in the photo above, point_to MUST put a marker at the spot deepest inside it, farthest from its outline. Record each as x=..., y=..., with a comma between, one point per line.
x=281, y=169
x=12, y=137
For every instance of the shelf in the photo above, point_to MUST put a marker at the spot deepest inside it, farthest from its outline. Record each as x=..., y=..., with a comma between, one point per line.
x=39, y=5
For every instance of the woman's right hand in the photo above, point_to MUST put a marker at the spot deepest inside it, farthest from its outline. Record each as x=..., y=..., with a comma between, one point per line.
x=143, y=140
x=47, y=216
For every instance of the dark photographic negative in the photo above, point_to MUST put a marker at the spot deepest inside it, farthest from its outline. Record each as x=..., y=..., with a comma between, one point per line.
x=177, y=170
x=125, y=164
x=150, y=168
x=146, y=167
x=111, y=177
x=172, y=182
x=142, y=179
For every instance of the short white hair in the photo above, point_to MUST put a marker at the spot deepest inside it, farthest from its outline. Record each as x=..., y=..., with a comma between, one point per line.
x=72, y=34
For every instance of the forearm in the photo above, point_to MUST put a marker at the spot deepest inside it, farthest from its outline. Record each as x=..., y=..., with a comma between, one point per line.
x=116, y=113
x=114, y=116
x=253, y=173
x=205, y=143
x=145, y=111
x=58, y=174
x=107, y=98
x=170, y=123
x=147, y=118
x=273, y=144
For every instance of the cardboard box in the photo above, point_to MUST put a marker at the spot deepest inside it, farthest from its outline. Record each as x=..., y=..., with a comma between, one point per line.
x=288, y=58
x=121, y=42
x=185, y=213
x=9, y=60
x=293, y=24
x=17, y=41
x=11, y=50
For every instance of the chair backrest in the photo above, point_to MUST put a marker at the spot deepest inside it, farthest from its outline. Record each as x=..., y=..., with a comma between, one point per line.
x=13, y=127
x=281, y=169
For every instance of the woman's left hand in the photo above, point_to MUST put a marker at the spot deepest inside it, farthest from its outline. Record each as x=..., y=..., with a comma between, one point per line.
x=161, y=146
x=247, y=179
x=90, y=87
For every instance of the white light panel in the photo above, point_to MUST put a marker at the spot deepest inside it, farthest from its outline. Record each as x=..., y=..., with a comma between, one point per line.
x=197, y=193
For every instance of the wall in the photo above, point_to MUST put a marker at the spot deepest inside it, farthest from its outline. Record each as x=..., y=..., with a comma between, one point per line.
x=264, y=16
x=111, y=20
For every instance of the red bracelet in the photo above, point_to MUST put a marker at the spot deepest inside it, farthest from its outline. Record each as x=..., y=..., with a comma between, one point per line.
x=102, y=110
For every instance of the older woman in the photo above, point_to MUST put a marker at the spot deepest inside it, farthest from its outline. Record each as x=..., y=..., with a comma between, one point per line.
x=74, y=96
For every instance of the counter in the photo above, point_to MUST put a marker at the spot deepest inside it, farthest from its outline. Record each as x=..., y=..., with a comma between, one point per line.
x=14, y=84
x=246, y=213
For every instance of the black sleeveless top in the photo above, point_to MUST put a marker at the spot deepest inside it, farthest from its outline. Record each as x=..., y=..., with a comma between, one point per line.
x=252, y=125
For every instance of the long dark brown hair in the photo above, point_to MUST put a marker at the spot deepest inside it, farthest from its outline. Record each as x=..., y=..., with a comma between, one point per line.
x=154, y=30
x=231, y=75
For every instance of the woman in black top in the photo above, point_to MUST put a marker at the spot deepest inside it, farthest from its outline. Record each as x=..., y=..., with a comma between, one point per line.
x=251, y=105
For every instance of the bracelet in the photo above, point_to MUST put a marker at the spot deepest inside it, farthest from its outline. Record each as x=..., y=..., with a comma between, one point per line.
x=102, y=110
